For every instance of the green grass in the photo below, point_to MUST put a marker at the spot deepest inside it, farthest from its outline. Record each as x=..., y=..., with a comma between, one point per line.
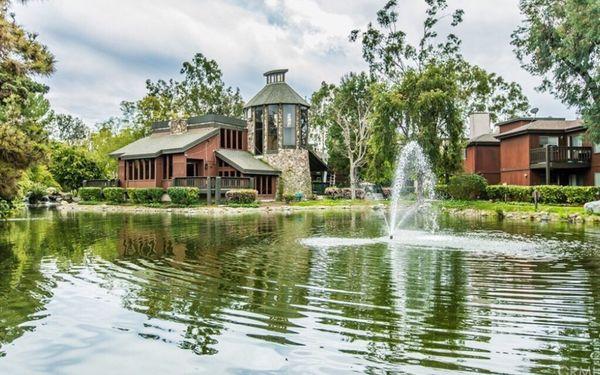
x=511, y=207
x=335, y=202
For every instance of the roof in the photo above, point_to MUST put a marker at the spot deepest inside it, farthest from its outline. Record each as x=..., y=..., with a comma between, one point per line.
x=204, y=120
x=164, y=143
x=487, y=139
x=245, y=162
x=276, y=93
x=515, y=119
x=545, y=126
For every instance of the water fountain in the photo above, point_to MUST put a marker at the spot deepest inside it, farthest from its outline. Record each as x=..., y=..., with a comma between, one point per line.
x=412, y=166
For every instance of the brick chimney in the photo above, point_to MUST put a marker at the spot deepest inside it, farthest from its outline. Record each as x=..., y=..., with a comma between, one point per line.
x=479, y=123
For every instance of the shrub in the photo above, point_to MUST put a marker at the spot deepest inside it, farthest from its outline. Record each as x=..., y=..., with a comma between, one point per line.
x=333, y=192
x=549, y=194
x=90, y=194
x=114, y=194
x=5, y=208
x=467, y=186
x=36, y=193
x=288, y=198
x=358, y=193
x=241, y=196
x=184, y=195
x=387, y=192
x=146, y=195
x=441, y=191
x=509, y=193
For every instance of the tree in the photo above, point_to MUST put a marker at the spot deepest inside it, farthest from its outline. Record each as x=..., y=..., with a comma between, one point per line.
x=69, y=129
x=70, y=166
x=345, y=111
x=111, y=135
x=427, y=90
x=23, y=109
x=201, y=91
x=560, y=42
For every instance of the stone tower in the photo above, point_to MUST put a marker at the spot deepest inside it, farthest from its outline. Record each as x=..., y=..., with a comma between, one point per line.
x=278, y=133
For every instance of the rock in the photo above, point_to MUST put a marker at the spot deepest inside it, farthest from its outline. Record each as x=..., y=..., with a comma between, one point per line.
x=592, y=207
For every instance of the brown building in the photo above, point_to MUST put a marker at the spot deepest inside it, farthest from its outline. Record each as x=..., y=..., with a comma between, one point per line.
x=269, y=146
x=533, y=151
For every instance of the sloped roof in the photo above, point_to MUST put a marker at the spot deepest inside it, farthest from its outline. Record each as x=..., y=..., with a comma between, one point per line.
x=484, y=139
x=164, y=143
x=540, y=126
x=276, y=93
x=245, y=162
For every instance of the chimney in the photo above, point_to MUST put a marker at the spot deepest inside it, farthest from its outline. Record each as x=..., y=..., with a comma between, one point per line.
x=479, y=123
x=178, y=126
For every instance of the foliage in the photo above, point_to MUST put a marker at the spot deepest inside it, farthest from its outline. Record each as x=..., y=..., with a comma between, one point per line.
x=387, y=192
x=90, y=194
x=184, y=195
x=23, y=109
x=441, y=191
x=333, y=192
x=70, y=166
x=241, y=196
x=344, y=193
x=345, y=111
x=509, y=193
x=289, y=198
x=111, y=135
x=36, y=193
x=201, y=91
x=501, y=208
x=114, y=194
x=5, y=208
x=550, y=194
x=559, y=41
x=467, y=186
x=68, y=129
x=36, y=174
x=146, y=195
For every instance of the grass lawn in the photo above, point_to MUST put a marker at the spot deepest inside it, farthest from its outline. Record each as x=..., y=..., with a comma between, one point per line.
x=336, y=202
x=512, y=207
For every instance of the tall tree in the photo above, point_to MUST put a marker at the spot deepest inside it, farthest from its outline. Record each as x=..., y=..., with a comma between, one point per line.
x=68, y=129
x=345, y=110
x=23, y=110
x=559, y=40
x=201, y=91
x=404, y=68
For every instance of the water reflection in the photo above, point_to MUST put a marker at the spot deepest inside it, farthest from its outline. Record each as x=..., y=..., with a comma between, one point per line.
x=203, y=291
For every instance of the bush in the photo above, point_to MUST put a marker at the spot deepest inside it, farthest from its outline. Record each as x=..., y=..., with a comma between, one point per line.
x=114, y=194
x=184, y=195
x=509, y=193
x=441, y=191
x=467, y=187
x=288, y=198
x=36, y=193
x=241, y=196
x=358, y=193
x=333, y=192
x=90, y=194
x=548, y=194
x=5, y=208
x=146, y=195
x=387, y=192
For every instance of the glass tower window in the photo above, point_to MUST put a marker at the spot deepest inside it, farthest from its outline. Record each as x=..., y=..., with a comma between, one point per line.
x=272, y=139
x=289, y=125
x=258, y=130
x=303, y=126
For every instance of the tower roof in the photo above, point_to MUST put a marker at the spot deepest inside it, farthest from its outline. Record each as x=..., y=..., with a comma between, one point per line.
x=276, y=91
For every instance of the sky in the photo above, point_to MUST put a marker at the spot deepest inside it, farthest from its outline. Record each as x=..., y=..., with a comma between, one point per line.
x=106, y=50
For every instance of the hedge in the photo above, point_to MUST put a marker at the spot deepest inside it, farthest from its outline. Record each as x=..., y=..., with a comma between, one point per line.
x=184, y=195
x=114, y=194
x=467, y=186
x=241, y=196
x=549, y=194
x=90, y=194
x=146, y=195
x=344, y=193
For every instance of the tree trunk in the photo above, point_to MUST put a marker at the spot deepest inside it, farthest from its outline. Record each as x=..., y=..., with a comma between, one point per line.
x=352, y=181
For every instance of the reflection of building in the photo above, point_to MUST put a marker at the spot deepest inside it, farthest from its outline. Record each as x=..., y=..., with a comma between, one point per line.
x=532, y=151
x=271, y=145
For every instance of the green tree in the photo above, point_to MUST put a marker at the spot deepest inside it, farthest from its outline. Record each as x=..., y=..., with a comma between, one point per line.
x=345, y=111
x=68, y=129
x=23, y=110
x=111, y=135
x=560, y=42
x=201, y=91
x=70, y=166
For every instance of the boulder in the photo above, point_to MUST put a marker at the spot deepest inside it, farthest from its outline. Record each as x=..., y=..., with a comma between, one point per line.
x=592, y=207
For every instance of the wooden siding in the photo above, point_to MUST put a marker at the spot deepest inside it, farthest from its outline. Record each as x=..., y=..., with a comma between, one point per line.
x=484, y=160
x=514, y=160
x=513, y=125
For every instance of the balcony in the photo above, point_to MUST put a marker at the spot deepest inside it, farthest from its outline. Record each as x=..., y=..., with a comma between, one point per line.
x=560, y=157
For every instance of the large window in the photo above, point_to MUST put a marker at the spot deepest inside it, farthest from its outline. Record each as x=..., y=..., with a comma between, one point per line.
x=576, y=140
x=272, y=139
x=548, y=141
x=303, y=126
x=289, y=125
x=258, y=131
x=142, y=169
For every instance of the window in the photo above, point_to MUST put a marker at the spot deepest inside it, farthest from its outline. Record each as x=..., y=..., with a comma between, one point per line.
x=289, y=125
x=576, y=140
x=272, y=139
x=575, y=180
x=304, y=126
x=596, y=179
x=258, y=131
x=548, y=141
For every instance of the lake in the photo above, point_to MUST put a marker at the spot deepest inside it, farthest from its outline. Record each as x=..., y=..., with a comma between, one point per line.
x=326, y=292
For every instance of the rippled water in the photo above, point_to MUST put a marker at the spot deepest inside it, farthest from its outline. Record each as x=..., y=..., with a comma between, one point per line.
x=93, y=293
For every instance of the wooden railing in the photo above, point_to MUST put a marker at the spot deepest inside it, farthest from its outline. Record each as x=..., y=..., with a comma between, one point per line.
x=560, y=154
x=199, y=182
x=224, y=183
x=236, y=182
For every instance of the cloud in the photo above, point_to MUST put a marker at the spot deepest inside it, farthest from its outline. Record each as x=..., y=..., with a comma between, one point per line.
x=106, y=50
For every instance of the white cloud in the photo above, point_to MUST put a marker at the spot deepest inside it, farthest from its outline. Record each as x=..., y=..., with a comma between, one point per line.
x=106, y=50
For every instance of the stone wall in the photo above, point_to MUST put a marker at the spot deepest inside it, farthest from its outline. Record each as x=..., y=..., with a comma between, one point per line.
x=295, y=170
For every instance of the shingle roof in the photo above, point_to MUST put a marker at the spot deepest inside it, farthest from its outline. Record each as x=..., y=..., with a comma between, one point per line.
x=487, y=138
x=245, y=162
x=164, y=143
x=276, y=93
x=555, y=125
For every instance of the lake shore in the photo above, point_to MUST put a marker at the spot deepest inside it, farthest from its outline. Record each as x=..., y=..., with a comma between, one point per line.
x=467, y=209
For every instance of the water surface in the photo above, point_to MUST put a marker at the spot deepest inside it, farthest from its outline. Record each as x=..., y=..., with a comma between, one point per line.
x=111, y=293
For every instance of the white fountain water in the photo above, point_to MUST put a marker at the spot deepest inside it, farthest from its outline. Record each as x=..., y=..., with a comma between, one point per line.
x=412, y=166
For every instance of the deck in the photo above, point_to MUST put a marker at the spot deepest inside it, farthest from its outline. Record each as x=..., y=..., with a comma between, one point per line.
x=560, y=157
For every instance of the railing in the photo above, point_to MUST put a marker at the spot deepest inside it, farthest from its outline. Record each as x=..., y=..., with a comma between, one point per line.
x=237, y=183
x=225, y=182
x=101, y=183
x=560, y=154
x=199, y=182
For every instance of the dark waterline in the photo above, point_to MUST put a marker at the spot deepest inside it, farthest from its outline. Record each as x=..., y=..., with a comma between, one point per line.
x=93, y=293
